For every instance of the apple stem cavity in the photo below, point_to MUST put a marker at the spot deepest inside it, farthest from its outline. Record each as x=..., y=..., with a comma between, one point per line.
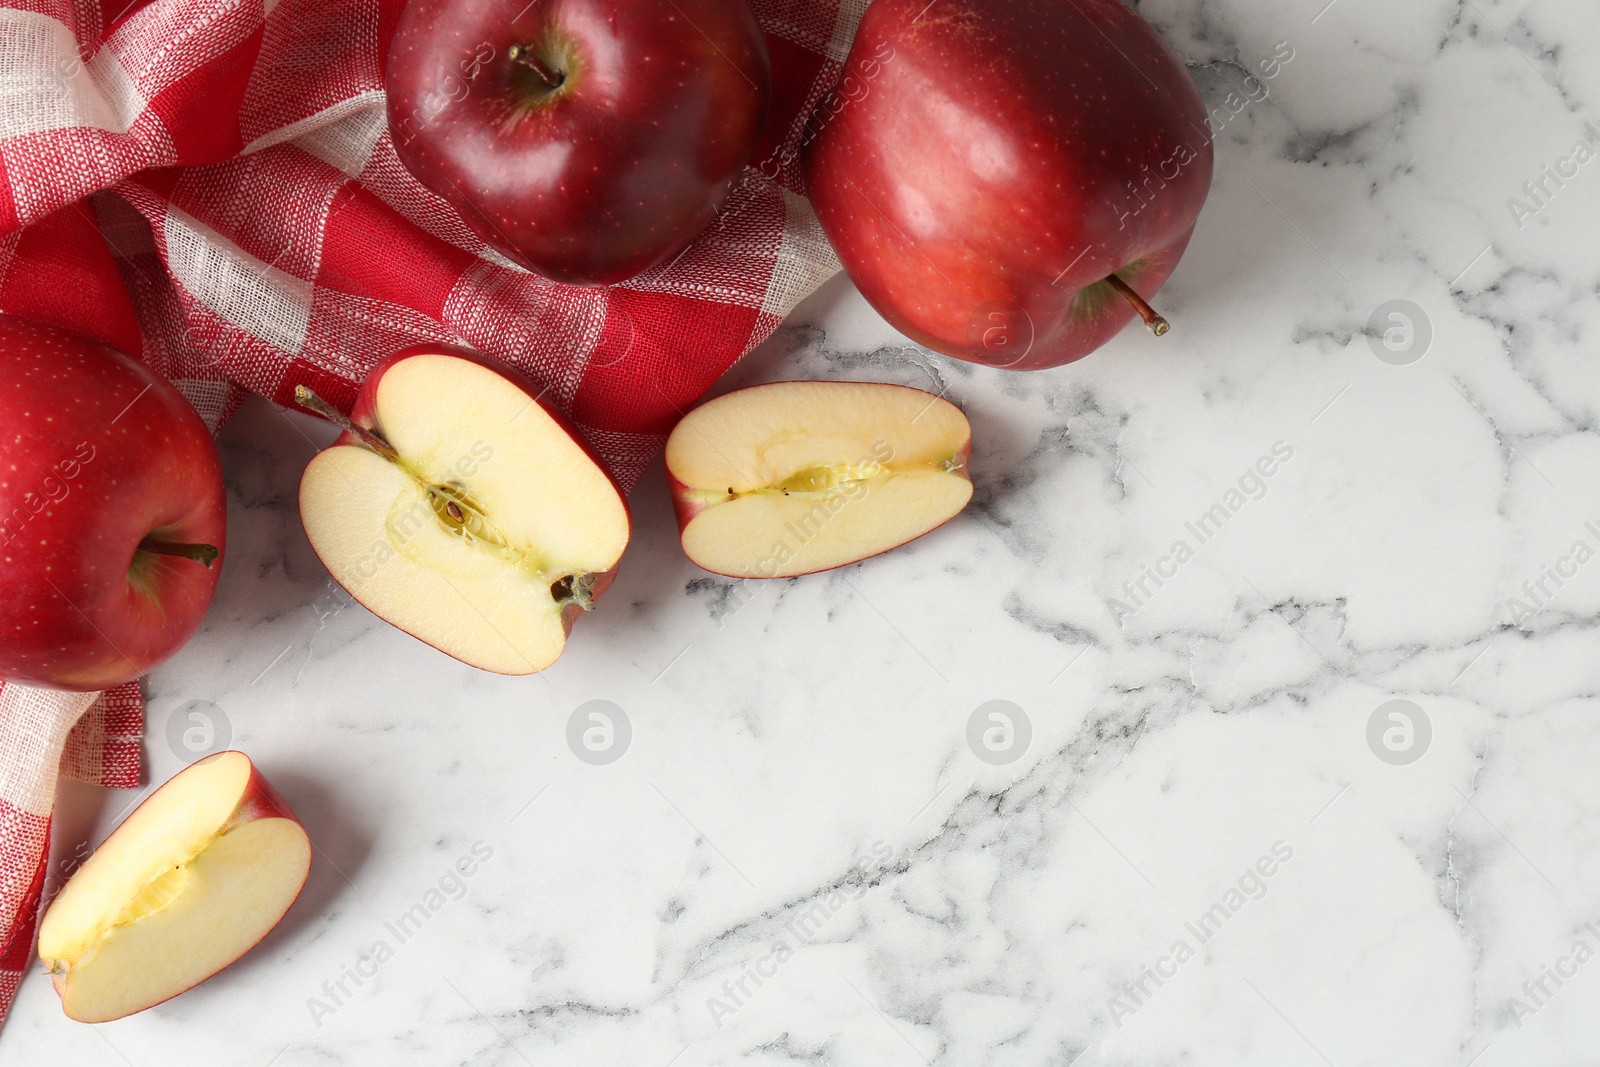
x=575, y=589
x=206, y=554
x=312, y=402
x=551, y=77
x=1157, y=324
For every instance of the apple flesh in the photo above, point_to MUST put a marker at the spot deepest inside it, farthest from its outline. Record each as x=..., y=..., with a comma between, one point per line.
x=1018, y=179
x=794, y=477
x=191, y=881
x=458, y=508
x=112, y=512
x=588, y=140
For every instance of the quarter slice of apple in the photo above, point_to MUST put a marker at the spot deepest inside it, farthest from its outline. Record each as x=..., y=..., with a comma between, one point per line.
x=458, y=508
x=794, y=477
x=191, y=881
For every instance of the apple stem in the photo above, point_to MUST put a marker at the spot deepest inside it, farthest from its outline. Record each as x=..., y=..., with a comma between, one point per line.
x=518, y=54
x=1157, y=324
x=312, y=402
x=206, y=554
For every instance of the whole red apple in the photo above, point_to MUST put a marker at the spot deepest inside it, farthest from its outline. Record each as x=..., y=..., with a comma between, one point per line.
x=1010, y=178
x=588, y=140
x=112, y=512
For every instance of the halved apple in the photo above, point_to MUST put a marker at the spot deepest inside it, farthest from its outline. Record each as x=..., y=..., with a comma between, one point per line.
x=794, y=477
x=458, y=508
x=189, y=882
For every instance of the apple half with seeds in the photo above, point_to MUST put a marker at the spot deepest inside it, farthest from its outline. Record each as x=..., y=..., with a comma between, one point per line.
x=790, y=478
x=191, y=881
x=459, y=508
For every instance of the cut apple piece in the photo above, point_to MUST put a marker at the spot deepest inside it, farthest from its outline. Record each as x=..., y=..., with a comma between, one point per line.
x=794, y=477
x=189, y=882
x=459, y=509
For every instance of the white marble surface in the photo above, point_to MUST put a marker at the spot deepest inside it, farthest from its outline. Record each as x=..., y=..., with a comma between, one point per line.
x=799, y=773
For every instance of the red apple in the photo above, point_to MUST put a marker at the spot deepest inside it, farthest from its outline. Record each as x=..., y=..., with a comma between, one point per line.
x=461, y=509
x=789, y=478
x=588, y=140
x=112, y=512
x=1012, y=178
x=191, y=881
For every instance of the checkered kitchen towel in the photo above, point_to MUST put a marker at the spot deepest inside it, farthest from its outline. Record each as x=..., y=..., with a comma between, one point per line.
x=210, y=185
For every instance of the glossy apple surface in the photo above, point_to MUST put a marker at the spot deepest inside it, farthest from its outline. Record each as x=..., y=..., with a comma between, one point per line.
x=1000, y=162
x=105, y=470
x=588, y=140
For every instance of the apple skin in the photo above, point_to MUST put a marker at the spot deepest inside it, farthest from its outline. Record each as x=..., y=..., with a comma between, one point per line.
x=101, y=453
x=684, y=508
x=258, y=801
x=364, y=413
x=1003, y=161
x=617, y=169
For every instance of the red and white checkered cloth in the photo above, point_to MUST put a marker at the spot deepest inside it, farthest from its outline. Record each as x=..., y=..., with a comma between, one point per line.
x=210, y=185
